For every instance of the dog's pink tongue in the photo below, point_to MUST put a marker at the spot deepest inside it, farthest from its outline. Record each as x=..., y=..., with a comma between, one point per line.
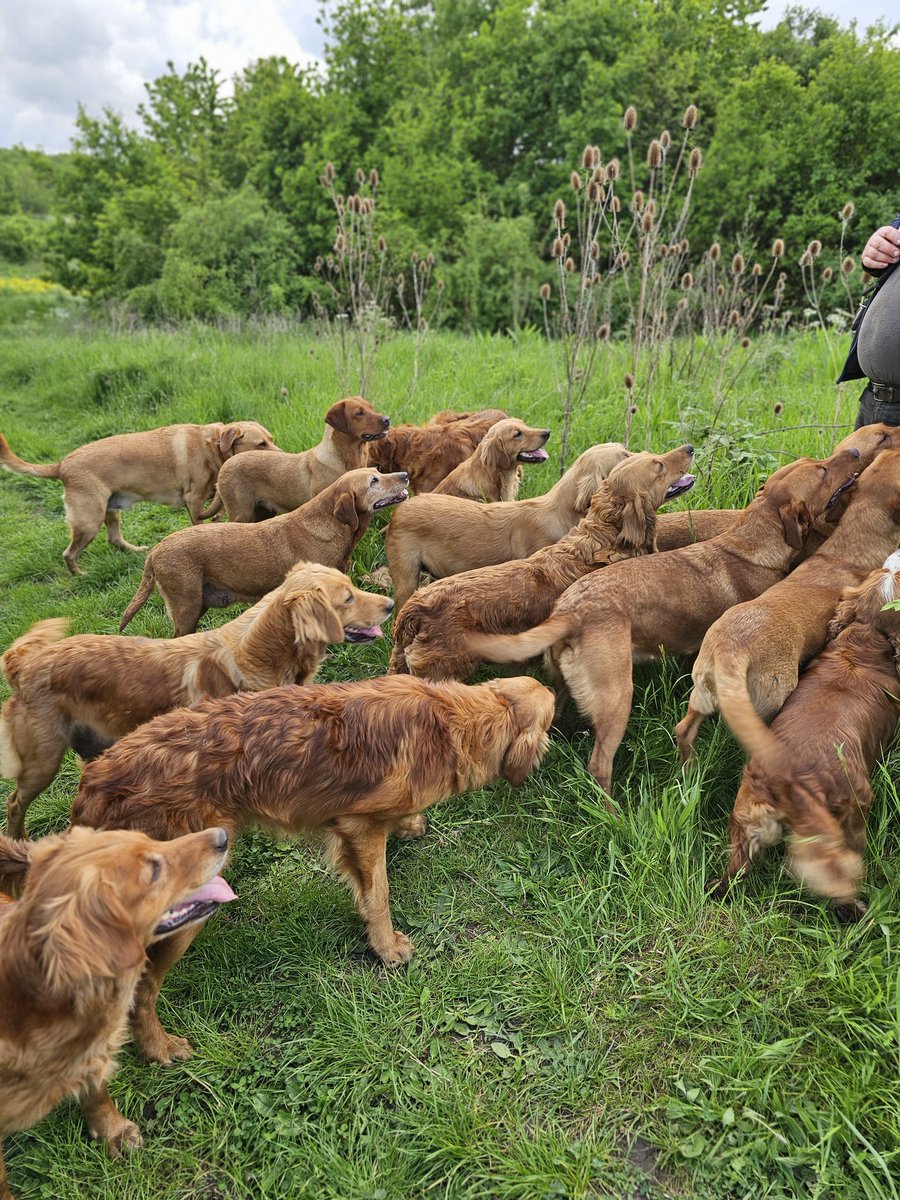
x=371, y=631
x=540, y=455
x=217, y=890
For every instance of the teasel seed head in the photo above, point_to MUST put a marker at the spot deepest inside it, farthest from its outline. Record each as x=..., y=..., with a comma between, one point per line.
x=587, y=157
x=339, y=244
x=806, y=259
x=629, y=380
x=827, y=273
x=687, y=281
x=612, y=169
x=423, y=325
x=737, y=264
x=567, y=237
x=401, y=281
x=778, y=248
x=745, y=342
x=632, y=408
x=439, y=284
x=654, y=155
x=848, y=266
x=682, y=304
x=756, y=270
x=637, y=200
x=570, y=265
x=575, y=180
x=689, y=120
x=814, y=248
x=651, y=207
x=558, y=248
x=603, y=332
x=662, y=250
x=615, y=204
x=646, y=223
x=630, y=118
x=848, y=210
x=665, y=139
x=685, y=246
x=777, y=408
x=734, y=317
x=559, y=214
x=720, y=290
x=329, y=172
x=373, y=179
x=596, y=281
x=318, y=264
x=595, y=249
x=545, y=291
x=360, y=175
x=599, y=175
x=715, y=252
x=595, y=156
x=782, y=278
x=382, y=245
x=595, y=192
x=624, y=258
x=695, y=161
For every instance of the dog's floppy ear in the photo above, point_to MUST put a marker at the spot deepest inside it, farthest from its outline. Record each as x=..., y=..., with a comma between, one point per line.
x=337, y=417
x=585, y=494
x=796, y=520
x=345, y=510
x=638, y=526
x=847, y=610
x=528, y=745
x=87, y=934
x=227, y=438
x=212, y=679
x=313, y=617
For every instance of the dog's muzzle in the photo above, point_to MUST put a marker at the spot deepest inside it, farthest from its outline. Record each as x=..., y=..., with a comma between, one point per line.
x=395, y=498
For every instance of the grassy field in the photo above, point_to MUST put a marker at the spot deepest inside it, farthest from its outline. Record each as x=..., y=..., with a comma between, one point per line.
x=579, y=1020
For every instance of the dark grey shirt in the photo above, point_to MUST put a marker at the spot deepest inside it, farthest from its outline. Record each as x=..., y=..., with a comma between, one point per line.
x=879, y=337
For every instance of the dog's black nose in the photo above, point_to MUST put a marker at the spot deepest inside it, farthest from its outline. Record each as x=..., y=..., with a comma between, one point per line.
x=220, y=839
x=853, y=452
x=404, y=478
x=389, y=605
x=385, y=421
x=546, y=433
x=689, y=449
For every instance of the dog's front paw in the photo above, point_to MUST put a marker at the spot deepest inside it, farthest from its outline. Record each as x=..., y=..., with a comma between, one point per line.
x=850, y=911
x=124, y=1139
x=412, y=827
x=166, y=1049
x=399, y=950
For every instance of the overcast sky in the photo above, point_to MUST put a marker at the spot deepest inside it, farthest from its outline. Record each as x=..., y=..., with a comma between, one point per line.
x=55, y=53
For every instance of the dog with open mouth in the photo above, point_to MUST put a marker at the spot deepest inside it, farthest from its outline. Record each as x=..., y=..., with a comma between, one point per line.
x=72, y=950
x=636, y=609
x=493, y=472
x=262, y=489
x=436, y=632
x=87, y=691
x=213, y=566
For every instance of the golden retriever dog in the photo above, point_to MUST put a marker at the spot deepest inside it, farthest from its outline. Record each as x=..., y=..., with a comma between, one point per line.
x=760, y=645
x=810, y=770
x=177, y=465
x=266, y=484
x=429, y=452
x=212, y=566
x=677, y=529
x=444, y=535
x=636, y=608
x=86, y=692
x=492, y=472
x=431, y=632
x=351, y=760
x=72, y=950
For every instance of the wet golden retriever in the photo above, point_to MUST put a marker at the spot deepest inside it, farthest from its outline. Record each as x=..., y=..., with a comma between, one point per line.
x=177, y=465
x=72, y=950
x=212, y=566
x=431, y=632
x=444, y=535
x=266, y=484
x=87, y=691
x=352, y=760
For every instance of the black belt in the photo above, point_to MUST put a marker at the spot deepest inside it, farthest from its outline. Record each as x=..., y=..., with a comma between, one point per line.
x=884, y=394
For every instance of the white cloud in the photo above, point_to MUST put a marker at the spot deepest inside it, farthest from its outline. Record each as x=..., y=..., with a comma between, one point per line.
x=57, y=53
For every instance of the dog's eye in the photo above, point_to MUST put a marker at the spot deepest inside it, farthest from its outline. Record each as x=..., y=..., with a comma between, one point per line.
x=261, y=445
x=349, y=600
x=518, y=433
x=373, y=480
x=361, y=413
x=661, y=466
x=155, y=868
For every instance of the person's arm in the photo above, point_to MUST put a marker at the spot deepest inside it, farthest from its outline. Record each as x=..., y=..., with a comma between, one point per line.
x=883, y=248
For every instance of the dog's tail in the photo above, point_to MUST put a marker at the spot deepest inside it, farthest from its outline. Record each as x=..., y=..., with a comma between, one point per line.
x=744, y=721
x=516, y=647
x=12, y=462
x=214, y=509
x=38, y=636
x=142, y=595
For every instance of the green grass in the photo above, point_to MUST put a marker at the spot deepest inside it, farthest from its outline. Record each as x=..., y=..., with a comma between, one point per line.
x=579, y=1020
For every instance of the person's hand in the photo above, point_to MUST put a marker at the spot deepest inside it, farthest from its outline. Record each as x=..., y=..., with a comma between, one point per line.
x=883, y=248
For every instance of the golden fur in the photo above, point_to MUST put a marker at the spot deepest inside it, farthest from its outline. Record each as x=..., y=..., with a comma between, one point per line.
x=760, y=645
x=809, y=772
x=492, y=471
x=87, y=691
x=212, y=566
x=177, y=465
x=353, y=760
x=260, y=485
x=431, y=632
x=72, y=950
x=668, y=601
x=429, y=452
x=444, y=535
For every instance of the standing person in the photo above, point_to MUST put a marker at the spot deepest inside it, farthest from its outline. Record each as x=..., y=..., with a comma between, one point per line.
x=875, y=351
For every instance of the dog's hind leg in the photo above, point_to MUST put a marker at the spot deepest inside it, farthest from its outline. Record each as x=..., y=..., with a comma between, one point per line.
x=151, y=1040
x=114, y=532
x=33, y=747
x=357, y=849
x=687, y=729
x=599, y=678
x=85, y=515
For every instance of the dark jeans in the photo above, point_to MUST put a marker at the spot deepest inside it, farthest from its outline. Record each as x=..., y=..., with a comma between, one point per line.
x=872, y=411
